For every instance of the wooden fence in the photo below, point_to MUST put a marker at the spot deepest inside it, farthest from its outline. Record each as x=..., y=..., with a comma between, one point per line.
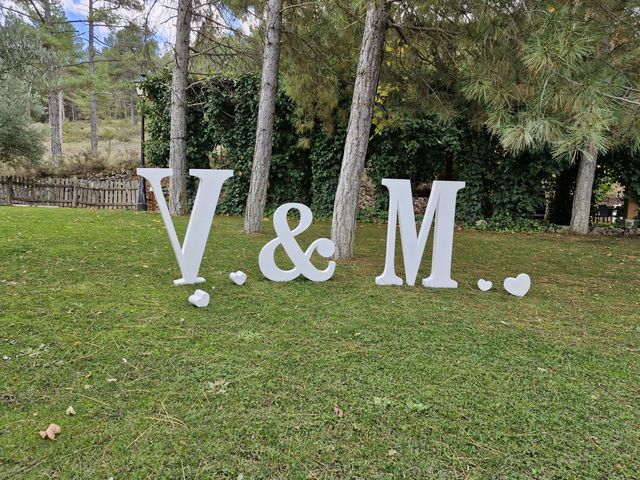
x=69, y=192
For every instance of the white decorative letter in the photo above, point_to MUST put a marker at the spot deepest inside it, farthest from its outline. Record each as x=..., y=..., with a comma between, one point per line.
x=301, y=259
x=441, y=208
x=189, y=256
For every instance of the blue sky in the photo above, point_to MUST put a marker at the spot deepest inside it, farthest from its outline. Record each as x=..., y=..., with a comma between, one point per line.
x=160, y=18
x=159, y=13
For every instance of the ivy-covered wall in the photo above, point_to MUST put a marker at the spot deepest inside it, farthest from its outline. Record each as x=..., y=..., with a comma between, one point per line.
x=222, y=114
x=501, y=188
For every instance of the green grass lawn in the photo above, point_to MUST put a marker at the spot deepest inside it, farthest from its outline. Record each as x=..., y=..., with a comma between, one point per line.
x=433, y=384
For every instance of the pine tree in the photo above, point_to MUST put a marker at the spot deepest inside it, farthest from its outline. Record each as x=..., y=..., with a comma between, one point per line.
x=178, y=143
x=20, y=55
x=257, y=197
x=127, y=53
x=562, y=75
x=100, y=13
x=357, y=141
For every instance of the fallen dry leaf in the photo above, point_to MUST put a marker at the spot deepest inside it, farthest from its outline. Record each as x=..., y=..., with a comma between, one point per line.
x=218, y=387
x=51, y=432
x=392, y=452
x=338, y=412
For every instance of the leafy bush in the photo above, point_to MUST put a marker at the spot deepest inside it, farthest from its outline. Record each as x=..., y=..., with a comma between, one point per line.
x=221, y=120
x=419, y=150
x=20, y=142
x=325, y=155
x=501, y=188
x=623, y=165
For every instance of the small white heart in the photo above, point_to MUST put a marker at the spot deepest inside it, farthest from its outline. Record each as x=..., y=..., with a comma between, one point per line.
x=238, y=277
x=200, y=298
x=518, y=286
x=485, y=285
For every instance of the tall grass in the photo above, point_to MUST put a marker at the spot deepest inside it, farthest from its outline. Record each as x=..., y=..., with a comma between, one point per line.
x=118, y=149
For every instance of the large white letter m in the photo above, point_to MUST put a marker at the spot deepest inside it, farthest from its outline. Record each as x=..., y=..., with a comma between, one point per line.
x=441, y=209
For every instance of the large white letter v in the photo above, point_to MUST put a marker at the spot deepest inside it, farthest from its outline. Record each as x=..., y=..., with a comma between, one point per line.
x=189, y=256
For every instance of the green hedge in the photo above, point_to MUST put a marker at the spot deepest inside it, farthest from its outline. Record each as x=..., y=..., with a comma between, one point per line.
x=224, y=112
x=501, y=188
x=306, y=164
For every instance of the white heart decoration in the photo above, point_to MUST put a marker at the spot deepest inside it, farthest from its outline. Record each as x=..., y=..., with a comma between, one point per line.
x=485, y=285
x=238, y=277
x=518, y=286
x=200, y=298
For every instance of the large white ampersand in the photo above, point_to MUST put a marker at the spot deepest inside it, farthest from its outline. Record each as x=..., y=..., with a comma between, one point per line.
x=300, y=259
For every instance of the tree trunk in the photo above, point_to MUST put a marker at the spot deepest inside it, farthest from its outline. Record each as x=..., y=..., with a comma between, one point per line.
x=28, y=106
x=584, y=189
x=54, y=118
x=61, y=111
x=93, y=110
x=178, y=142
x=53, y=78
x=355, y=148
x=257, y=198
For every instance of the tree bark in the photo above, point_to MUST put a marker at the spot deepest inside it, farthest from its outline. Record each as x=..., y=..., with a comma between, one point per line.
x=28, y=106
x=178, y=142
x=257, y=198
x=93, y=109
x=355, y=148
x=53, y=79
x=54, y=117
x=581, y=209
x=61, y=111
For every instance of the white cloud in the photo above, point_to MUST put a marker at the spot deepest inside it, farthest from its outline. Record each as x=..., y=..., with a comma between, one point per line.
x=79, y=8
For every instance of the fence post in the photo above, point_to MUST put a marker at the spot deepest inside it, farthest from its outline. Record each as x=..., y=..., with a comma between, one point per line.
x=74, y=194
x=10, y=190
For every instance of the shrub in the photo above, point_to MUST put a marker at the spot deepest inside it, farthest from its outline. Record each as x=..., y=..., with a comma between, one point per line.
x=20, y=142
x=221, y=121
